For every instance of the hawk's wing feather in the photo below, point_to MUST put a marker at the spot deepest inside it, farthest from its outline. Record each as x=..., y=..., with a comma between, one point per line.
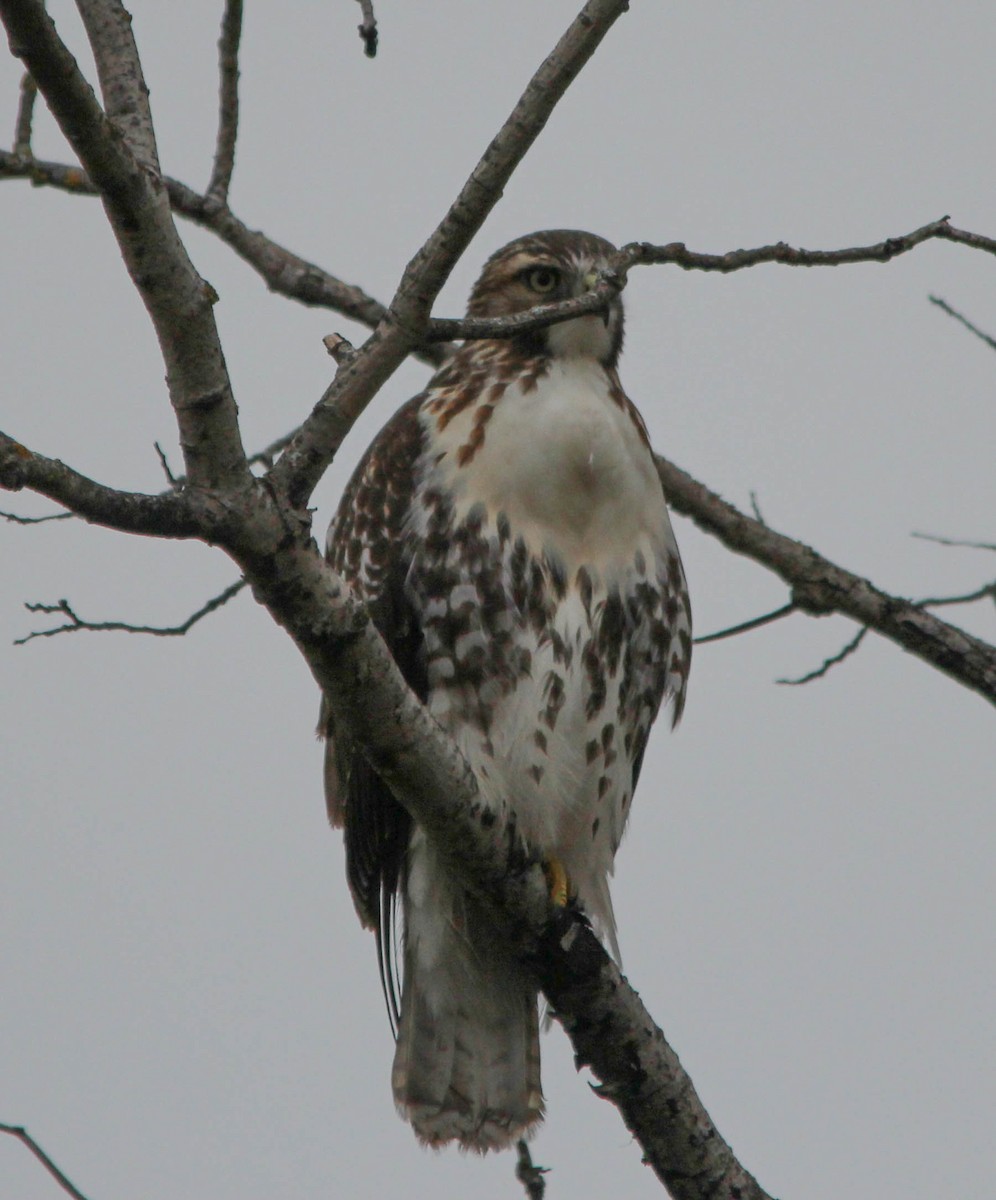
x=367, y=547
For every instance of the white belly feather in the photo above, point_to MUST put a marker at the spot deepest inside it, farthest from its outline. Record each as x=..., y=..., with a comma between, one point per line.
x=568, y=469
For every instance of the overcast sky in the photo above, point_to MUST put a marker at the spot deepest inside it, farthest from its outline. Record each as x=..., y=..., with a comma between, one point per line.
x=188, y=1006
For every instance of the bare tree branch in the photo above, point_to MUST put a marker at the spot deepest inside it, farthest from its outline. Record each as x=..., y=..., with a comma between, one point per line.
x=63, y=1180
x=25, y=116
x=119, y=158
x=368, y=28
x=745, y=626
x=316, y=442
x=75, y=623
x=988, y=590
x=285, y=273
x=943, y=541
x=126, y=97
x=829, y=663
x=228, y=106
x=642, y=253
x=17, y=519
x=262, y=526
x=820, y=586
x=170, y=514
x=945, y=307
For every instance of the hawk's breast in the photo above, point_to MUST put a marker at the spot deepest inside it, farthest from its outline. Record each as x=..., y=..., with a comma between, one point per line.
x=564, y=459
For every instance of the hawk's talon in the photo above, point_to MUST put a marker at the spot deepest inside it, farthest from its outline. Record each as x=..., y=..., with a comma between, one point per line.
x=556, y=880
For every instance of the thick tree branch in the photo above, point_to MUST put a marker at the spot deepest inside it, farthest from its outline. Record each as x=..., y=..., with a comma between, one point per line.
x=284, y=272
x=126, y=98
x=171, y=514
x=608, y=1024
x=314, y=446
x=820, y=586
x=116, y=154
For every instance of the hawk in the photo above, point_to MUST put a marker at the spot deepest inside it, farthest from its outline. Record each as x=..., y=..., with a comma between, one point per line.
x=508, y=532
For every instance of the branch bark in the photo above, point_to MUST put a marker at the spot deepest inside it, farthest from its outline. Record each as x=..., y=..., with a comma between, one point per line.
x=820, y=586
x=117, y=150
x=316, y=442
x=261, y=525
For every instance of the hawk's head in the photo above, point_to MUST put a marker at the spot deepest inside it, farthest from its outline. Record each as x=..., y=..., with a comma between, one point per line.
x=541, y=268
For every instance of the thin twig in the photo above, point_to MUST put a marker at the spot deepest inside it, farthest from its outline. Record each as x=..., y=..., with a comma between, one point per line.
x=988, y=589
x=267, y=456
x=17, y=519
x=22, y=1135
x=744, y=626
x=829, y=663
x=943, y=541
x=167, y=470
x=529, y=1175
x=368, y=29
x=77, y=623
x=228, y=105
x=952, y=312
x=25, y=115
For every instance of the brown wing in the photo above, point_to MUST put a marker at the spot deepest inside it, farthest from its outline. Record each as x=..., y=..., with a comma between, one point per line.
x=367, y=546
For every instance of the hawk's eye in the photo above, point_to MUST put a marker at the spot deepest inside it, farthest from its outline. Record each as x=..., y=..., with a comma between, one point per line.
x=542, y=279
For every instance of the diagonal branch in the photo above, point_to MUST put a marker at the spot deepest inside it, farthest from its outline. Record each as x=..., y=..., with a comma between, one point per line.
x=820, y=586
x=953, y=312
x=829, y=663
x=610, y=1028
x=118, y=154
x=63, y=1180
x=943, y=541
x=315, y=444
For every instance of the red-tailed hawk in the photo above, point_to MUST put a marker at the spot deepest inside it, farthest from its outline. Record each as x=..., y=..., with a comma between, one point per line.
x=508, y=532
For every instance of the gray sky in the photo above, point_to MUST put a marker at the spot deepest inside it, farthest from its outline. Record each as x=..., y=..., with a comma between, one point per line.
x=188, y=1006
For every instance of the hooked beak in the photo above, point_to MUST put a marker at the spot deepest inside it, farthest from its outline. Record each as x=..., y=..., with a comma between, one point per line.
x=588, y=282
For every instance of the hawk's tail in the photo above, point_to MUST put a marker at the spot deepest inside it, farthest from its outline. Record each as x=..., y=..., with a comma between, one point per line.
x=467, y=1063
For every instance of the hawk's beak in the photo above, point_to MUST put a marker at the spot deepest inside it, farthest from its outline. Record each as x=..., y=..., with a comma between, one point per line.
x=587, y=283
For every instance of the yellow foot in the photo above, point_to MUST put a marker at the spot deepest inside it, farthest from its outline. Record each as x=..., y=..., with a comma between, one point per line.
x=556, y=878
